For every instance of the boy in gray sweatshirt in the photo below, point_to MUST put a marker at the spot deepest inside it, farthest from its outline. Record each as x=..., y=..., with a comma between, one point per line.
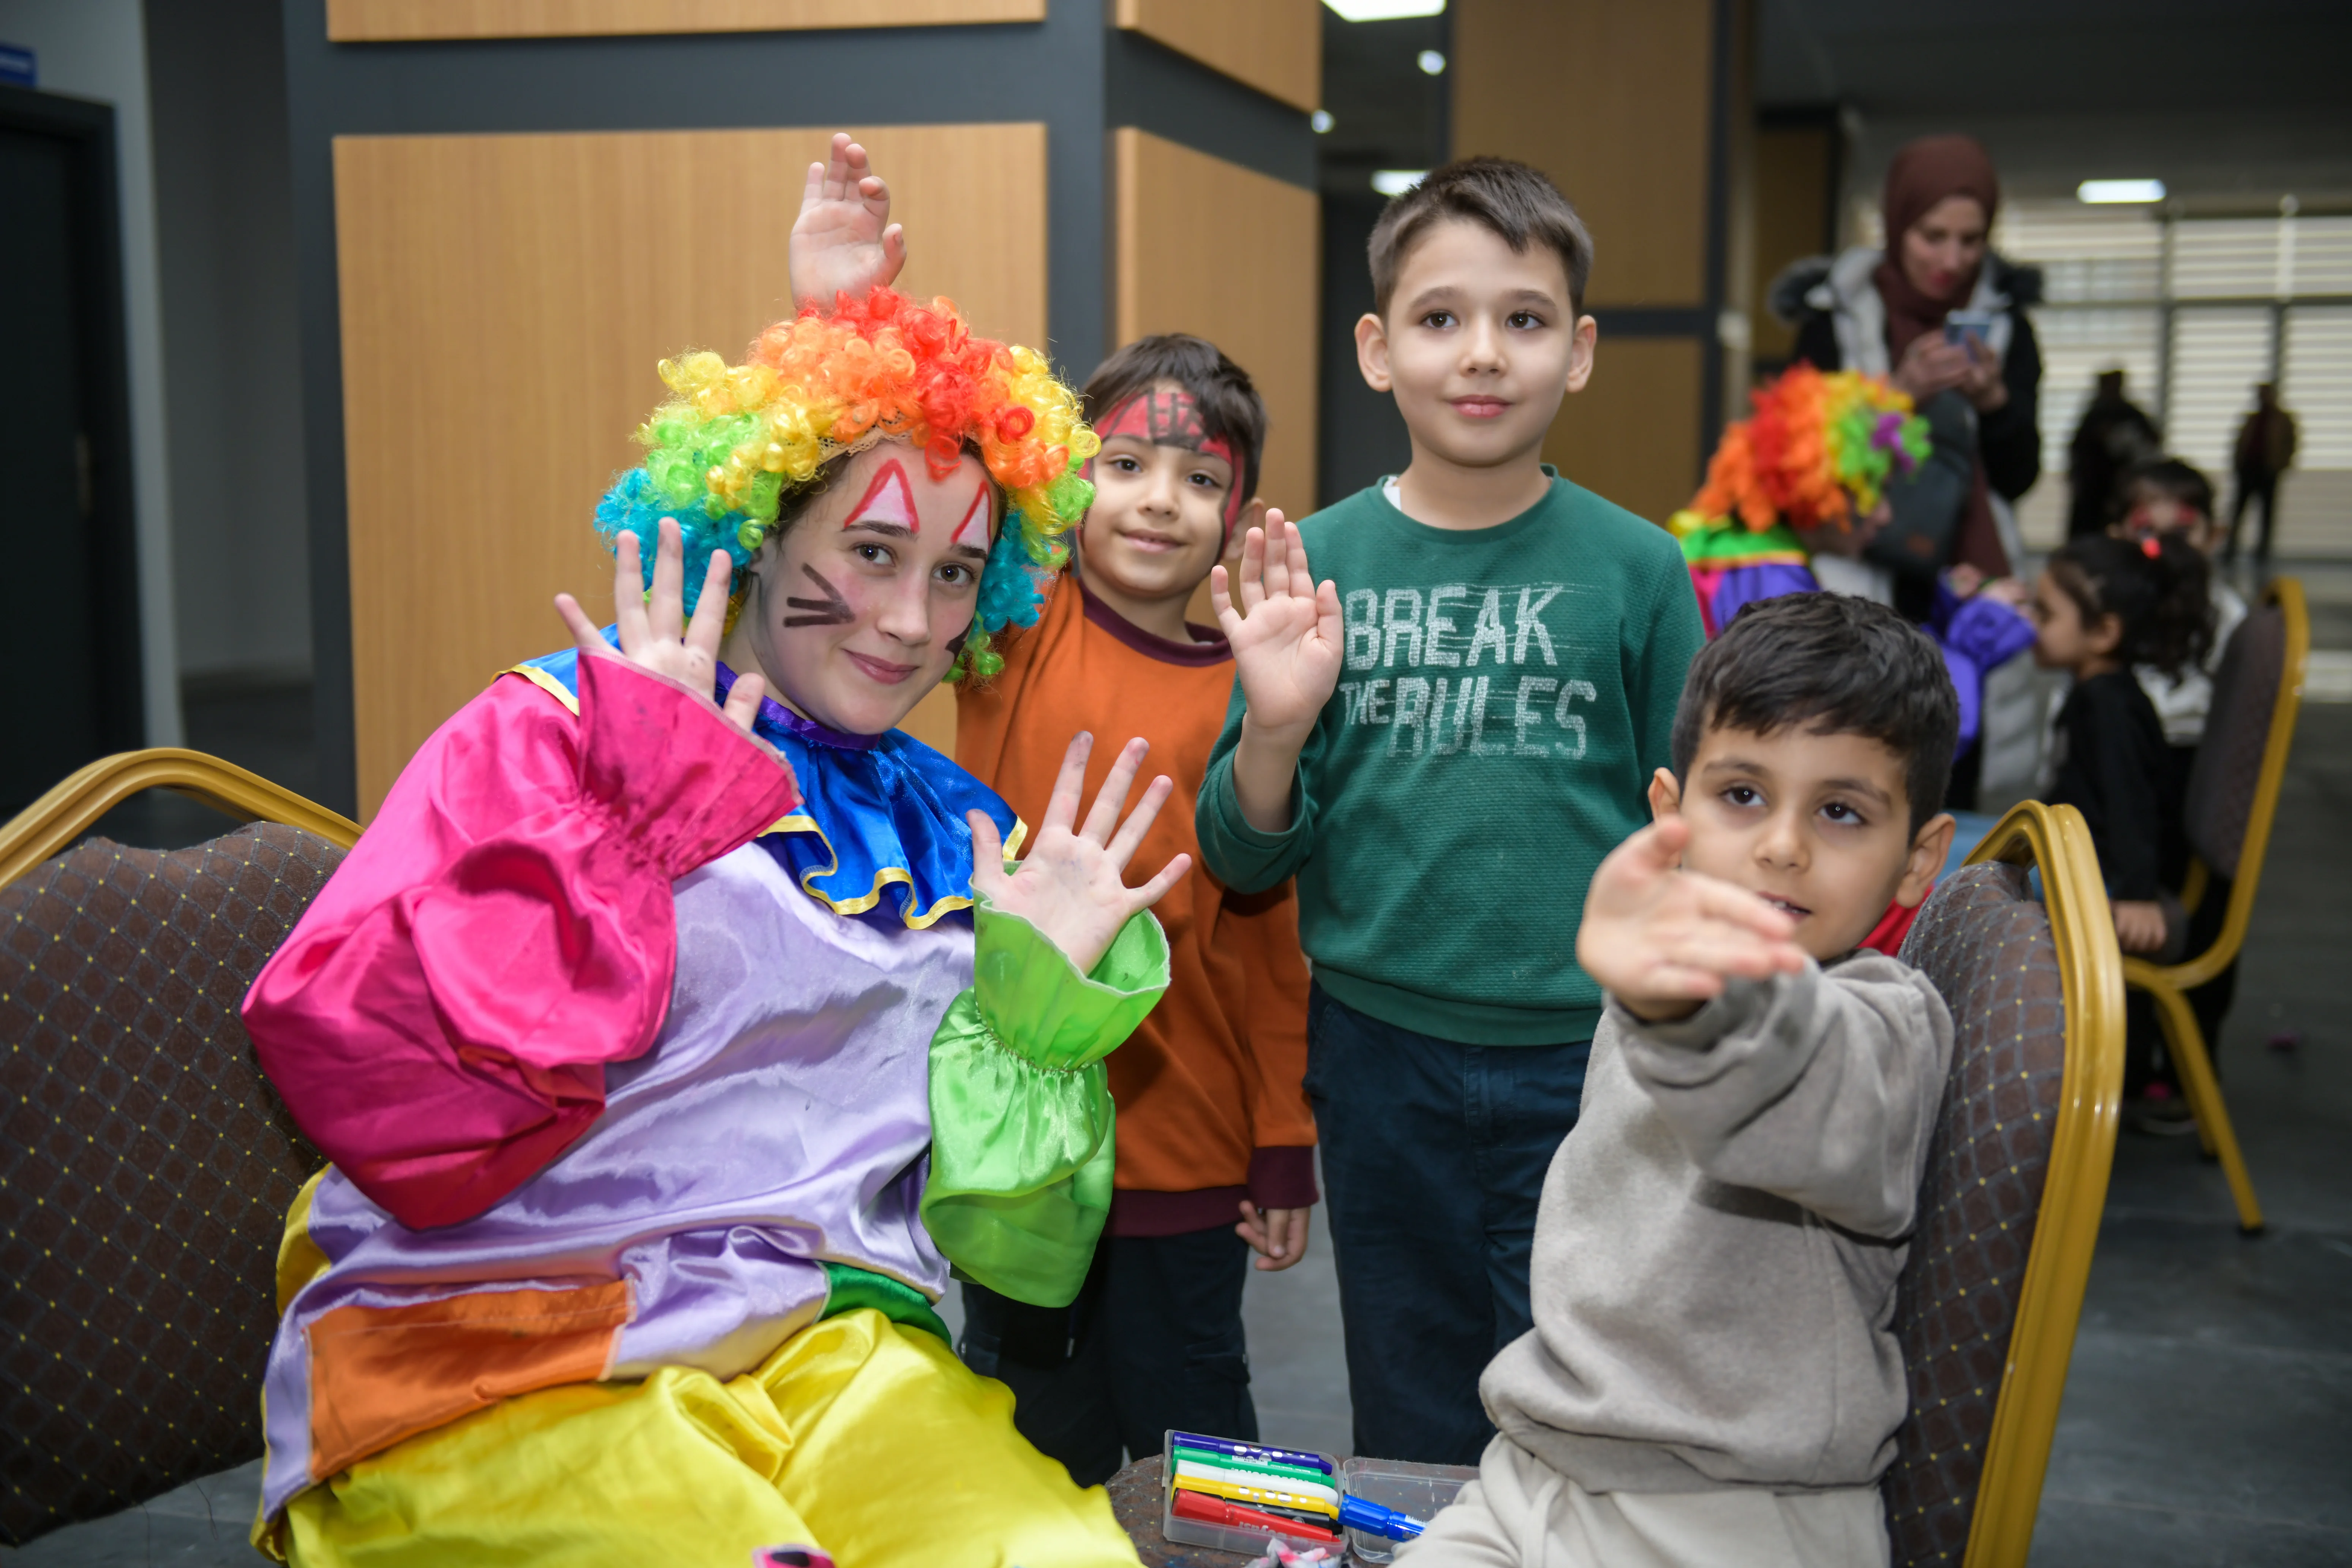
x=1711, y=1378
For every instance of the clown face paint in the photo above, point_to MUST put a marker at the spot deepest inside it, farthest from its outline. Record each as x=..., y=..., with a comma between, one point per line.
x=887, y=500
x=1168, y=415
x=1163, y=510
x=856, y=613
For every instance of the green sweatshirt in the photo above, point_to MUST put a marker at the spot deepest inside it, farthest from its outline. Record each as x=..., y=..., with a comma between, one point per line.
x=1506, y=693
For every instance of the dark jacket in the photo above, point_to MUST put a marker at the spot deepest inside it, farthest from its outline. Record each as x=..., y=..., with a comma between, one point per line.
x=1841, y=325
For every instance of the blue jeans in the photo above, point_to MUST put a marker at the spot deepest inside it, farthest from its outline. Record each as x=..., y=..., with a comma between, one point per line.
x=1433, y=1162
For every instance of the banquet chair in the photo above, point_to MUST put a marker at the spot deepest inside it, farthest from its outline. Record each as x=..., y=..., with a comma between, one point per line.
x=2017, y=1174
x=2233, y=790
x=145, y=1166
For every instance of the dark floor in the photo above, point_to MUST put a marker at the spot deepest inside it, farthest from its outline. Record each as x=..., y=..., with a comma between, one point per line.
x=2208, y=1418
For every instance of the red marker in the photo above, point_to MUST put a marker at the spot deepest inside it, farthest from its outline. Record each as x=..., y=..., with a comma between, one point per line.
x=1206, y=1510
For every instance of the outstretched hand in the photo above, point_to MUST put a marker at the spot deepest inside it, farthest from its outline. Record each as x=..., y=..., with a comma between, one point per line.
x=1072, y=886
x=649, y=623
x=843, y=240
x=1662, y=940
x=1287, y=636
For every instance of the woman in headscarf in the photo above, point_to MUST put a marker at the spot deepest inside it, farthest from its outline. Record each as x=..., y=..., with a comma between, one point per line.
x=1977, y=381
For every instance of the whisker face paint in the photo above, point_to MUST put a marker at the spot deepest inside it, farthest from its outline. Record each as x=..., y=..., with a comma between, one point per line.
x=1172, y=417
x=890, y=500
x=833, y=610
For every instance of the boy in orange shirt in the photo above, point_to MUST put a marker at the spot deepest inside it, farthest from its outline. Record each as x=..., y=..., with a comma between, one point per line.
x=1214, y=1121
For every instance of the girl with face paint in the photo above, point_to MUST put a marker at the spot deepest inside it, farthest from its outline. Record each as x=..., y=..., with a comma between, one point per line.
x=678, y=1021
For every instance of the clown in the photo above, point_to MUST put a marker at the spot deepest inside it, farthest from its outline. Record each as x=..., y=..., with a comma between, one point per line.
x=1815, y=473
x=678, y=1021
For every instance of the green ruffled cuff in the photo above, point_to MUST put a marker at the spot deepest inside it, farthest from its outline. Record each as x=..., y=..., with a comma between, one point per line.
x=1022, y=1147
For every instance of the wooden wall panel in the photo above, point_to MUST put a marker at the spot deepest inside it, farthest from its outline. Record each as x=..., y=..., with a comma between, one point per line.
x=1632, y=434
x=384, y=21
x=1796, y=217
x=505, y=299
x=1235, y=257
x=1611, y=101
x=1275, y=46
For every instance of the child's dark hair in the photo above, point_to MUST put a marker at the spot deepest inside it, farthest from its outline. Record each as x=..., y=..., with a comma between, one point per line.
x=1517, y=203
x=2157, y=588
x=1231, y=409
x=2172, y=479
x=1838, y=666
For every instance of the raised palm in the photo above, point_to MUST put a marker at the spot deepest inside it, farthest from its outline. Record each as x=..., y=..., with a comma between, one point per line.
x=1287, y=636
x=654, y=631
x=844, y=241
x=1072, y=886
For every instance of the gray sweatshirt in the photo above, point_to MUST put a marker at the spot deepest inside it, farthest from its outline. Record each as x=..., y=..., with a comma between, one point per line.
x=1717, y=1251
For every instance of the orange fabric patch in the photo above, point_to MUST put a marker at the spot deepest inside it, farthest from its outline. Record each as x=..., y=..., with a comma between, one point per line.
x=382, y=1374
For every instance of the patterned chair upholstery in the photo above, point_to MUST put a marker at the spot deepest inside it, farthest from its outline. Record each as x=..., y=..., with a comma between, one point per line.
x=145, y=1167
x=2016, y=1175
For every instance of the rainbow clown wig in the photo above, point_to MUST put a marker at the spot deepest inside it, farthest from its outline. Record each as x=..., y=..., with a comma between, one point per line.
x=739, y=448
x=1817, y=454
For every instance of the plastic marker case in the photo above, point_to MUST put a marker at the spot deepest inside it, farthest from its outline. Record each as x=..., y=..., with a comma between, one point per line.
x=1272, y=1474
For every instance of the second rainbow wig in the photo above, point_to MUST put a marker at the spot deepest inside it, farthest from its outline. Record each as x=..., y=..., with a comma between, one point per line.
x=735, y=443
x=1818, y=450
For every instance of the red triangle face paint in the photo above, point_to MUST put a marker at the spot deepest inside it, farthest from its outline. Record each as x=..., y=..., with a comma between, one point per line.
x=887, y=500
x=973, y=529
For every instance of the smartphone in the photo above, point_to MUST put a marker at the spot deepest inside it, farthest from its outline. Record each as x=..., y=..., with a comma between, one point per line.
x=1962, y=325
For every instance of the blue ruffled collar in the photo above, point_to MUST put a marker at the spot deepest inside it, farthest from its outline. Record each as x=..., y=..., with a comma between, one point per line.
x=880, y=831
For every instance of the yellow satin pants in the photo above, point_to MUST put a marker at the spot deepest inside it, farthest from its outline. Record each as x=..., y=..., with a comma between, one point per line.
x=859, y=1437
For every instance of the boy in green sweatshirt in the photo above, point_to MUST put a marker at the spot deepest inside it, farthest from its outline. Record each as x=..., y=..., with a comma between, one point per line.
x=1440, y=740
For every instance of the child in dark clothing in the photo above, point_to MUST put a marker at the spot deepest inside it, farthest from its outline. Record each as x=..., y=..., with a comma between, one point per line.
x=2104, y=604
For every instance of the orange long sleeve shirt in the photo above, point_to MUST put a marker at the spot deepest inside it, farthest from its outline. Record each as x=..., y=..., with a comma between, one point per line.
x=1212, y=1106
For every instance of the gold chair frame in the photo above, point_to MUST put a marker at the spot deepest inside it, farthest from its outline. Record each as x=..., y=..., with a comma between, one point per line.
x=2057, y=841
x=66, y=812
x=2169, y=984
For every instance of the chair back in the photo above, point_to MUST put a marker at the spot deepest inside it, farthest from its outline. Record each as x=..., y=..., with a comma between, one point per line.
x=2009, y=1208
x=2234, y=783
x=146, y=1167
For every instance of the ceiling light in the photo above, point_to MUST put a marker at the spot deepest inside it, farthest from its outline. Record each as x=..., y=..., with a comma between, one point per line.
x=1385, y=10
x=1320, y=119
x=1431, y=62
x=2112, y=192
x=1397, y=181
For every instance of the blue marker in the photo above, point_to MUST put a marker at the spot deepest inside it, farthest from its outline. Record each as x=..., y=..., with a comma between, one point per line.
x=1370, y=1518
x=1254, y=1451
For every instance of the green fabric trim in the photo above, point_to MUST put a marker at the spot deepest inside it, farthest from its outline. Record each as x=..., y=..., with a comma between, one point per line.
x=1021, y=1122
x=1736, y=543
x=849, y=1287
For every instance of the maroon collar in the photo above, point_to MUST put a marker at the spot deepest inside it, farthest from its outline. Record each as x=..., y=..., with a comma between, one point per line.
x=1212, y=647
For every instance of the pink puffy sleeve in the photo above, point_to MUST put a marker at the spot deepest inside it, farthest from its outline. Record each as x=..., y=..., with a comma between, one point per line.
x=439, y=1020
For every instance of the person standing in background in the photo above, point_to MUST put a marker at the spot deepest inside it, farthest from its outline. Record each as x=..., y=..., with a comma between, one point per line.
x=1936, y=311
x=2265, y=450
x=2114, y=437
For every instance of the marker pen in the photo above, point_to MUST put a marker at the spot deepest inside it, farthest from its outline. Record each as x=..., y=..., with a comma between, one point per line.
x=1255, y=1495
x=1207, y=1510
x=1255, y=1466
x=1254, y=1451
x=1357, y=1513
x=1257, y=1480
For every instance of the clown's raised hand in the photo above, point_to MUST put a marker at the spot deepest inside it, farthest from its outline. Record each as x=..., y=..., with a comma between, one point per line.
x=654, y=630
x=844, y=241
x=1072, y=885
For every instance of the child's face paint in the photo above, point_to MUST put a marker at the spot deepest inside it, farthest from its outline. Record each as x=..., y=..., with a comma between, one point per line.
x=1163, y=510
x=857, y=612
x=1166, y=415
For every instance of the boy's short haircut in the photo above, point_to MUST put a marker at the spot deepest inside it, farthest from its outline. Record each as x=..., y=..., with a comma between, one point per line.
x=1231, y=409
x=2174, y=478
x=1838, y=666
x=1514, y=202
